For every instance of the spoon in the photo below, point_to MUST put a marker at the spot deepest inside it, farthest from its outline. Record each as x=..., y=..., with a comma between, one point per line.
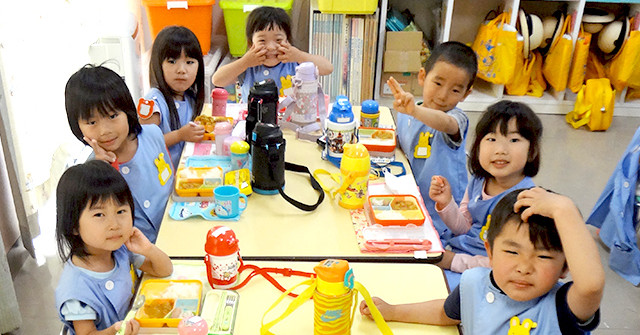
x=136, y=305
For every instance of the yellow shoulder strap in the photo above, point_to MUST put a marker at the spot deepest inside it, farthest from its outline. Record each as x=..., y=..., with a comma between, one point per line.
x=301, y=299
x=375, y=313
x=581, y=113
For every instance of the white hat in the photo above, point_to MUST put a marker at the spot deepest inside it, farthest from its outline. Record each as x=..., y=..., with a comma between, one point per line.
x=551, y=26
x=594, y=19
x=531, y=30
x=613, y=35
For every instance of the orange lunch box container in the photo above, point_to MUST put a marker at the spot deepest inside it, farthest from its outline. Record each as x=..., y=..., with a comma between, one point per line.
x=395, y=210
x=380, y=142
x=168, y=301
x=198, y=181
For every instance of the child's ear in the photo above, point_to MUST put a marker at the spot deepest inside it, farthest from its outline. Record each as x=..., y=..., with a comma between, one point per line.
x=422, y=74
x=565, y=271
x=467, y=94
x=489, y=254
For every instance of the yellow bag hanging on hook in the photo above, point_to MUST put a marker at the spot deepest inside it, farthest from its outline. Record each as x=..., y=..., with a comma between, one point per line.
x=579, y=61
x=621, y=67
x=557, y=61
x=594, y=105
x=495, y=46
x=334, y=292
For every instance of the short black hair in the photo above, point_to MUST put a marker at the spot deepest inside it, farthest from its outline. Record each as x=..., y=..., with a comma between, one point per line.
x=267, y=17
x=457, y=54
x=169, y=43
x=497, y=116
x=97, y=88
x=80, y=186
x=542, y=230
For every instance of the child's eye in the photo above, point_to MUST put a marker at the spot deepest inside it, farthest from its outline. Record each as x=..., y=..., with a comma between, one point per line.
x=514, y=140
x=545, y=257
x=511, y=252
x=122, y=211
x=170, y=60
x=114, y=115
x=98, y=215
x=189, y=62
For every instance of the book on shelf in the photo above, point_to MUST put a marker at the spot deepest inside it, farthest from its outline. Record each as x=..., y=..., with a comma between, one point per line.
x=349, y=42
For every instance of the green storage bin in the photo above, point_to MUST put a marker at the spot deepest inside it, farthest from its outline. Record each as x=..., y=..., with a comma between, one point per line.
x=235, y=13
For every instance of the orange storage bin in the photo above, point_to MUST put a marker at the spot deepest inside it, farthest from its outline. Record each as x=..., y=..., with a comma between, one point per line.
x=193, y=14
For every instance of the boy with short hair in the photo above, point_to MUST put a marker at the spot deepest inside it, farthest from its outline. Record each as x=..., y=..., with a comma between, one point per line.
x=534, y=238
x=433, y=134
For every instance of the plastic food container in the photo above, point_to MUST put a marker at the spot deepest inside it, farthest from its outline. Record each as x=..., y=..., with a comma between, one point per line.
x=219, y=310
x=395, y=210
x=193, y=14
x=198, y=181
x=168, y=301
x=235, y=19
x=381, y=142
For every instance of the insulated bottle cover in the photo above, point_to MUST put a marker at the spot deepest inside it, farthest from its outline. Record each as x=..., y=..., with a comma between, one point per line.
x=263, y=104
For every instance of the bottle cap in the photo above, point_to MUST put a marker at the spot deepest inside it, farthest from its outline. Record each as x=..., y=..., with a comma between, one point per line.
x=219, y=93
x=341, y=111
x=222, y=128
x=331, y=276
x=306, y=71
x=239, y=147
x=370, y=107
x=221, y=241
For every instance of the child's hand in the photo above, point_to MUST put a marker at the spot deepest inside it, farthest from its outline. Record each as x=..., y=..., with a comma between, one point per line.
x=100, y=153
x=133, y=327
x=287, y=53
x=440, y=191
x=403, y=101
x=256, y=55
x=542, y=202
x=138, y=243
x=385, y=309
x=192, y=132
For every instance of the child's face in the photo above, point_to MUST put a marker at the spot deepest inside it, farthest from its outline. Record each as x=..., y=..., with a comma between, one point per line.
x=105, y=226
x=520, y=270
x=270, y=39
x=444, y=86
x=111, y=132
x=504, y=157
x=180, y=73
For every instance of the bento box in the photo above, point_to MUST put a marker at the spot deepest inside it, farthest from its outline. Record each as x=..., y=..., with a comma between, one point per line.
x=378, y=141
x=395, y=210
x=168, y=301
x=198, y=181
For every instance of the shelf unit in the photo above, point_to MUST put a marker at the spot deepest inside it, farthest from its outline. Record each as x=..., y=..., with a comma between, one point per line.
x=460, y=21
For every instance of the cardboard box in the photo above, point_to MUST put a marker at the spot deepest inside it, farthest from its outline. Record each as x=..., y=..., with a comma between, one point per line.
x=401, y=61
x=407, y=80
x=402, y=51
x=404, y=40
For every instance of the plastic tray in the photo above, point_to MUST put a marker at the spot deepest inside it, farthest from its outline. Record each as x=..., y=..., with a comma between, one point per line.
x=186, y=295
x=395, y=210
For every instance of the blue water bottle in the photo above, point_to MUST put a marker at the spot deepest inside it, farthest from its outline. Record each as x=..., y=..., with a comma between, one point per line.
x=340, y=129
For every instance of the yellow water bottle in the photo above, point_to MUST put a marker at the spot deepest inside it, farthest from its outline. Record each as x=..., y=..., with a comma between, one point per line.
x=332, y=298
x=354, y=167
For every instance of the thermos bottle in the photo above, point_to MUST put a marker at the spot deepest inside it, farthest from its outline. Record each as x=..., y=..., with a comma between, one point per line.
x=263, y=105
x=340, y=129
x=305, y=92
x=369, y=114
x=332, y=298
x=354, y=168
x=223, y=257
x=267, y=153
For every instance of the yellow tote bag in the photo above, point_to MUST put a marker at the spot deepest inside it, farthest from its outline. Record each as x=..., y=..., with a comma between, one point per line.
x=621, y=67
x=594, y=105
x=579, y=61
x=495, y=46
x=537, y=84
x=522, y=77
x=556, y=64
x=595, y=69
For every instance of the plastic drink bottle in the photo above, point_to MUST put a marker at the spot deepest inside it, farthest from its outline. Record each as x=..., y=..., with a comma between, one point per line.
x=223, y=257
x=340, y=129
x=354, y=167
x=219, y=102
x=305, y=91
x=332, y=298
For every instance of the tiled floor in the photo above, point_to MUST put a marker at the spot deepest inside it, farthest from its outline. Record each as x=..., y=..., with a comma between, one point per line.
x=574, y=162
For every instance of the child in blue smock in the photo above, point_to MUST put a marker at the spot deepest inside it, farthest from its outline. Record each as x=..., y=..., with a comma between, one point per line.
x=505, y=155
x=269, y=55
x=176, y=73
x=433, y=135
x=101, y=113
x=535, y=238
x=98, y=245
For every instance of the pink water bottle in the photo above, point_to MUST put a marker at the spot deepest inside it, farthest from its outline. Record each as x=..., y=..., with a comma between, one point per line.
x=219, y=102
x=222, y=130
x=223, y=257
